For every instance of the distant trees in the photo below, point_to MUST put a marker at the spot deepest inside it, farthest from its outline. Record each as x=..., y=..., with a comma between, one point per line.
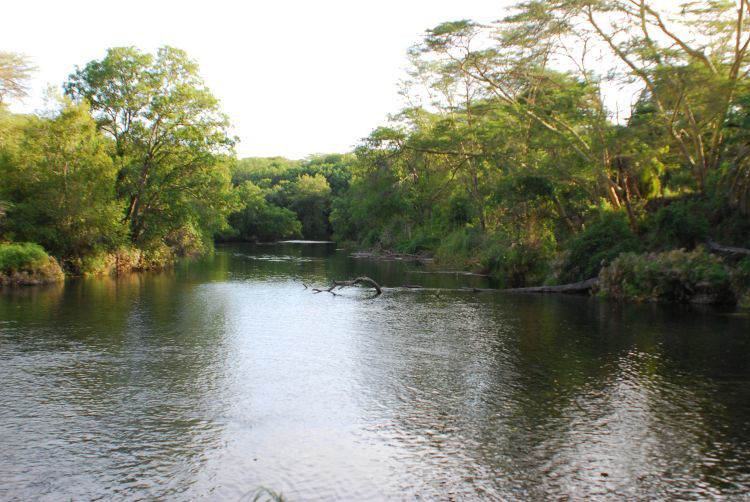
x=285, y=198
x=260, y=220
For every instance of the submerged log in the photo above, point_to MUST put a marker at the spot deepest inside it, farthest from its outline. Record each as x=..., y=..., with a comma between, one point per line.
x=731, y=252
x=582, y=287
x=388, y=256
x=352, y=282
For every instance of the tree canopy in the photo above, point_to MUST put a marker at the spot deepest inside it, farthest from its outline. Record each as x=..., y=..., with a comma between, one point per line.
x=171, y=141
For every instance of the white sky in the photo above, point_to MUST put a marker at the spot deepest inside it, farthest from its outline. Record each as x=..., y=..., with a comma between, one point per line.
x=296, y=77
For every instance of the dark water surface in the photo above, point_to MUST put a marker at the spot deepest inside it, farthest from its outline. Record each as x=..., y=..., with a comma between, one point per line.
x=227, y=375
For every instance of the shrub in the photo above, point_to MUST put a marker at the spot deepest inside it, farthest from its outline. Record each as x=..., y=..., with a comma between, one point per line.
x=121, y=261
x=21, y=257
x=514, y=264
x=459, y=248
x=420, y=242
x=27, y=264
x=517, y=265
x=681, y=224
x=603, y=240
x=676, y=276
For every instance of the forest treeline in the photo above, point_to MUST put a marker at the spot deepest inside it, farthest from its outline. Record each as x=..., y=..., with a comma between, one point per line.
x=516, y=155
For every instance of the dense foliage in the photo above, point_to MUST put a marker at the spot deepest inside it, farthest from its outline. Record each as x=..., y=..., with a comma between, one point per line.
x=138, y=158
x=675, y=276
x=21, y=256
x=512, y=157
x=285, y=198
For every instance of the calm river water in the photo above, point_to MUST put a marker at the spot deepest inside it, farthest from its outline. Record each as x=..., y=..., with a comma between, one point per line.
x=226, y=375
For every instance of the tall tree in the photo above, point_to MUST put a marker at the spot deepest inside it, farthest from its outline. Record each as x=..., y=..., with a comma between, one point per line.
x=691, y=60
x=171, y=140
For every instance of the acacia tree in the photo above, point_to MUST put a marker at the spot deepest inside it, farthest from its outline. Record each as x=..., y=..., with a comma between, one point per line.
x=15, y=71
x=514, y=62
x=690, y=59
x=171, y=140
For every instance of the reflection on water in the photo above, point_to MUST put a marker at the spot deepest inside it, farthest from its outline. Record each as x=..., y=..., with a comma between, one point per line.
x=226, y=375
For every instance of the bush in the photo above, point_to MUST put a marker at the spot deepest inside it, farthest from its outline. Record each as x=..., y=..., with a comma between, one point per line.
x=676, y=276
x=460, y=248
x=517, y=265
x=514, y=264
x=421, y=241
x=22, y=257
x=681, y=224
x=27, y=264
x=603, y=240
x=121, y=261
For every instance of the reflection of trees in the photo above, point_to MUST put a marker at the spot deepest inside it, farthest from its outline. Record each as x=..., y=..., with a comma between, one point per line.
x=23, y=304
x=125, y=378
x=526, y=396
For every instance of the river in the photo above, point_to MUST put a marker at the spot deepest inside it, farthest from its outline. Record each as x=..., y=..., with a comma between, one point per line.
x=226, y=375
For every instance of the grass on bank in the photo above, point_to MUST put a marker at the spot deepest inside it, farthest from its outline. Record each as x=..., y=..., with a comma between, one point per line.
x=27, y=263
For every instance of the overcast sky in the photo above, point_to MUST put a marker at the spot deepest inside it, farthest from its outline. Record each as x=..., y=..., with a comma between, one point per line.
x=296, y=77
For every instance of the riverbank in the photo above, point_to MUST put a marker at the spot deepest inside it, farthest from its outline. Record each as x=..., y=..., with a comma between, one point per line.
x=27, y=264
x=674, y=276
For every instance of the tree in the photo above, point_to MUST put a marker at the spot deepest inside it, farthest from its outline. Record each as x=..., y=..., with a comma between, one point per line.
x=260, y=220
x=690, y=59
x=310, y=200
x=15, y=71
x=59, y=177
x=171, y=141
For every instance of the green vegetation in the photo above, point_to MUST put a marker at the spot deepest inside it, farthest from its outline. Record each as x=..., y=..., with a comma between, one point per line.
x=601, y=242
x=508, y=159
x=130, y=170
x=22, y=256
x=676, y=276
x=285, y=198
x=170, y=144
x=27, y=264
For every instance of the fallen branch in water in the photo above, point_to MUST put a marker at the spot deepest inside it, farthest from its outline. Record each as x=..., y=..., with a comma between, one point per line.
x=731, y=252
x=582, y=287
x=388, y=256
x=464, y=289
x=574, y=288
x=352, y=282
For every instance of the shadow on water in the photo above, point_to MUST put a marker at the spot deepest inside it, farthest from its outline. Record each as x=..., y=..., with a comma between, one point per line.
x=226, y=375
